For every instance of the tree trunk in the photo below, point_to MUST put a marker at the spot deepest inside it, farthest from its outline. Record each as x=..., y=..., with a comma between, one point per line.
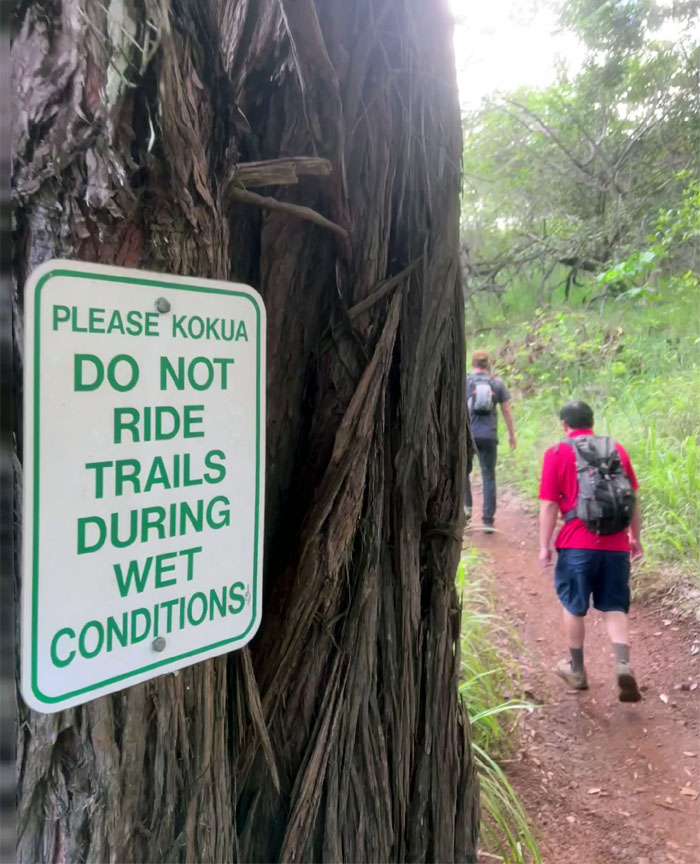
x=339, y=734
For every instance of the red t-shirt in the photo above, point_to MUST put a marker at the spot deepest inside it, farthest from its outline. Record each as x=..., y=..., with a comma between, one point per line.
x=559, y=483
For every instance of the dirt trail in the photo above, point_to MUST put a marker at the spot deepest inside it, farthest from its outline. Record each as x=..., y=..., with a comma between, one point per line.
x=601, y=780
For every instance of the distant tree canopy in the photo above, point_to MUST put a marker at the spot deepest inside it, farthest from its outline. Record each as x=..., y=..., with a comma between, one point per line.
x=572, y=179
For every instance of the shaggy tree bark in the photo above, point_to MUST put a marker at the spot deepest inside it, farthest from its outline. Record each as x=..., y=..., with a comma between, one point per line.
x=311, y=149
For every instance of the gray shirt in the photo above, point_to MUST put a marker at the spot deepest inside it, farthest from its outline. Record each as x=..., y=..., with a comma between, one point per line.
x=485, y=426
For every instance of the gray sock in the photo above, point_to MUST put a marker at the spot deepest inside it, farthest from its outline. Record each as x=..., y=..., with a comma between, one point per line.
x=622, y=652
x=576, y=659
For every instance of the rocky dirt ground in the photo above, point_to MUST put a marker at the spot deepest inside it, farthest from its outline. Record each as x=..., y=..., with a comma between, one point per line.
x=603, y=782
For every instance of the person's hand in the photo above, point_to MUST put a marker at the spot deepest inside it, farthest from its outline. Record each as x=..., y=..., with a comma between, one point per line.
x=546, y=556
x=636, y=548
x=513, y=443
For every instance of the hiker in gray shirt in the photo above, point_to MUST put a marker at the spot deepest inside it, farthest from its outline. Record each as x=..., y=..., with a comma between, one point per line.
x=485, y=392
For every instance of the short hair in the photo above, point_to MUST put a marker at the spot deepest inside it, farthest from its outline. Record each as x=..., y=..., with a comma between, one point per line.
x=577, y=415
x=480, y=359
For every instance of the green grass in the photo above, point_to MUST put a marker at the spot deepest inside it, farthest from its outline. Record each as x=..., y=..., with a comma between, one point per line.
x=638, y=365
x=486, y=678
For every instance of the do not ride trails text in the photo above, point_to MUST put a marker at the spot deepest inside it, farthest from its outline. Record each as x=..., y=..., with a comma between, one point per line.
x=123, y=529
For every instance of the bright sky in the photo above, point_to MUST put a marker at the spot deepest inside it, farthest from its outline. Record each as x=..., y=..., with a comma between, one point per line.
x=504, y=44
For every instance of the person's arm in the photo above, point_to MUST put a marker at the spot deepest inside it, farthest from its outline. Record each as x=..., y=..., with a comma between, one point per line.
x=508, y=417
x=636, y=548
x=549, y=510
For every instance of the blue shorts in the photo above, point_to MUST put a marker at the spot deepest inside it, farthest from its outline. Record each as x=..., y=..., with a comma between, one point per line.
x=581, y=573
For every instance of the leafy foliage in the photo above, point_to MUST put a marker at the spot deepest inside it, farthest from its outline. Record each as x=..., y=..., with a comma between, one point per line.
x=676, y=230
x=564, y=183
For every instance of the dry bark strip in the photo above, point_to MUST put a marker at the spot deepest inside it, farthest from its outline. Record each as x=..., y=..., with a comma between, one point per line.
x=280, y=172
x=339, y=734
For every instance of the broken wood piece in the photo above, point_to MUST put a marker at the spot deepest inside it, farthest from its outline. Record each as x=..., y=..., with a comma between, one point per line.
x=280, y=172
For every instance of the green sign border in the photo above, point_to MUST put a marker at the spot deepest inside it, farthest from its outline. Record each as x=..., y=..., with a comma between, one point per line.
x=153, y=283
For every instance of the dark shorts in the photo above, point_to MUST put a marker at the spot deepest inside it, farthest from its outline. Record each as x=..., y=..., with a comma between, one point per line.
x=581, y=573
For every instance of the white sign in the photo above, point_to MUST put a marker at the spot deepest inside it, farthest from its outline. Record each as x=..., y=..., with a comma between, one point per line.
x=144, y=477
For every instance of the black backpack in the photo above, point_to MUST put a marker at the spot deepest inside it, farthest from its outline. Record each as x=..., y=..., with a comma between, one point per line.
x=481, y=399
x=606, y=499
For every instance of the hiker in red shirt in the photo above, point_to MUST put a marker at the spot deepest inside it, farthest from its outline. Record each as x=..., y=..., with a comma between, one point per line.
x=589, y=480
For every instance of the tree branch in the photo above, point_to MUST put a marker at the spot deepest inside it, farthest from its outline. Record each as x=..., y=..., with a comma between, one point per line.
x=243, y=196
x=583, y=167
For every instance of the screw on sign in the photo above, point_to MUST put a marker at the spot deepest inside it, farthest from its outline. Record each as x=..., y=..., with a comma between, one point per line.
x=162, y=305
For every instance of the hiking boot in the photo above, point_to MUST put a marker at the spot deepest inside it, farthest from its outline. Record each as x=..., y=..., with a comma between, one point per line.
x=627, y=684
x=468, y=514
x=575, y=680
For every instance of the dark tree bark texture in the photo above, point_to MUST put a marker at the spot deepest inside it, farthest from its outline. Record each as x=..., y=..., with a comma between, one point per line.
x=312, y=150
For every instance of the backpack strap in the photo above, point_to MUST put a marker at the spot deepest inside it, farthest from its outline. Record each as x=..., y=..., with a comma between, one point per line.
x=572, y=514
